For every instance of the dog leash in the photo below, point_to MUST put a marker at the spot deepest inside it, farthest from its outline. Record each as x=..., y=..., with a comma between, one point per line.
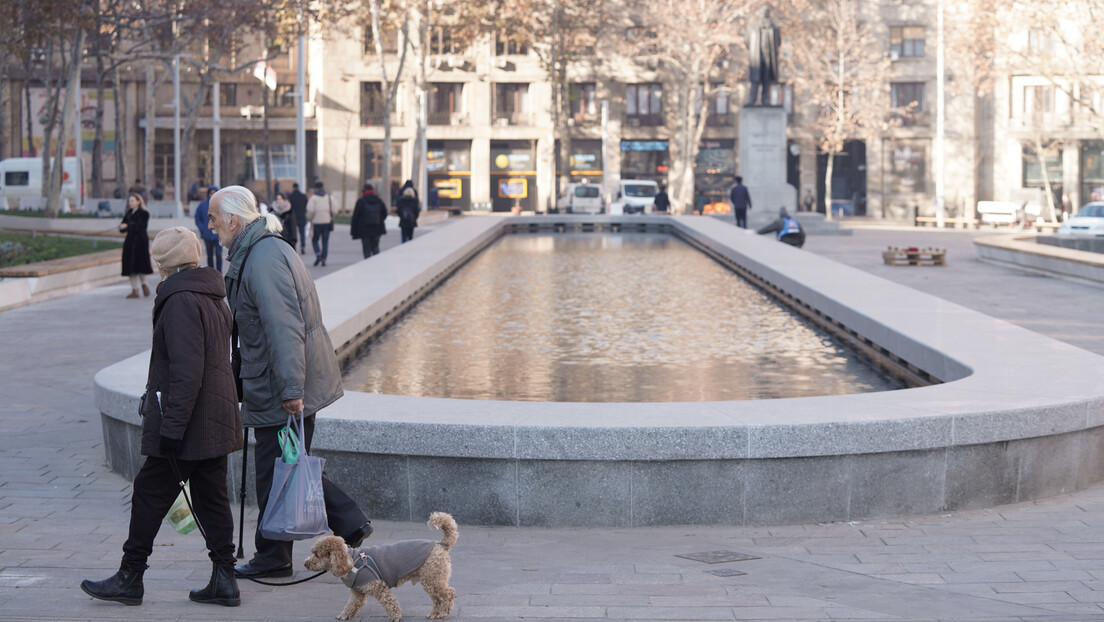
x=195, y=517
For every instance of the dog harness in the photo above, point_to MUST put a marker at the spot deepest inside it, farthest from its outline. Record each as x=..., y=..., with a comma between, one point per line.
x=388, y=563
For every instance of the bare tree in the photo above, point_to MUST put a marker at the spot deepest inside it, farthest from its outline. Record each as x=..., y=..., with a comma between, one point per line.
x=685, y=41
x=841, y=76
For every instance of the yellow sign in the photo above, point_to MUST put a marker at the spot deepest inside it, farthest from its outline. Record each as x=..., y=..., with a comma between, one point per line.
x=502, y=160
x=448, y=188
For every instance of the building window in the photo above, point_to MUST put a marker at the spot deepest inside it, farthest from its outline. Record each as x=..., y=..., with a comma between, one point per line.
x=906, y=168
x=283, y=98
x=907, y=100
x=228, y=94
x=1038, y=101
x=642, y=41
x=441, y=42
x=906, y=41
x=511, y=103
x=371, y=163
x=584, y=104
x=505, y=45
x=283, y=161
x=644, y=104
x=371, y=103
x=1039, y=42
x=1033, y=165
x=390, y=41
x=445, y=102
x=162, y=164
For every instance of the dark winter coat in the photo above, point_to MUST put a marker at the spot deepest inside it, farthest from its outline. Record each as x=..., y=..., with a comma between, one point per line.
x=136, y=254
x=291, y=226
x=368, y=216
x=190, y=367
x=298, y=202
x=740, y=197
x=286, y=352
x=408, y=209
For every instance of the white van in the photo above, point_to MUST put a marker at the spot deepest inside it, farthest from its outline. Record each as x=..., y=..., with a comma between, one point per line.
x=634, y=196
x=21, y=178
x=580, y=198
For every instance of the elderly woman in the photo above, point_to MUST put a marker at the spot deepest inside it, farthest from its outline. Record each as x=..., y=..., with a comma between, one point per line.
x=136, y=253
x=190, y=423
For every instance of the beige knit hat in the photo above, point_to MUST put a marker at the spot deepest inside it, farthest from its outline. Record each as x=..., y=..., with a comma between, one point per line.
x=175, y=248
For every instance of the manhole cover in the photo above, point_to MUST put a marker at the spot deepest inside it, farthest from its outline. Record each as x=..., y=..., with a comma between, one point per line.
x=727, y=572
x=718, y=557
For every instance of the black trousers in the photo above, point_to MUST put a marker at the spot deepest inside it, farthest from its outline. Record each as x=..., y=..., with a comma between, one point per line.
x=370, y=245
x=155, y=489
x=407, y=234
x=741, y=217
x=342, y=513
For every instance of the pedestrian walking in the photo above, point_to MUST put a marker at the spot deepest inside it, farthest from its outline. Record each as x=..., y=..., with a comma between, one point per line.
x=367, y=224
x=282, y=207
x=741, y=202
x=136, y=254
x=662, y=202
x=298, y=202
x=190, y=423
x=408, y=209
x=320, y=212
x=287, y=361
x=210, y=240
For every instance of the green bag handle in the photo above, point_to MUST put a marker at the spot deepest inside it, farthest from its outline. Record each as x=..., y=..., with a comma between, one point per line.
x=290, y=444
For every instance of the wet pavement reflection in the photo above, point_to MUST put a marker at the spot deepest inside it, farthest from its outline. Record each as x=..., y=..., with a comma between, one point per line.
x=591, y=317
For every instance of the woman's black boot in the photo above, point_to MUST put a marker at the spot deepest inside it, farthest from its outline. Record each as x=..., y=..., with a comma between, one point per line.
x=221, y=590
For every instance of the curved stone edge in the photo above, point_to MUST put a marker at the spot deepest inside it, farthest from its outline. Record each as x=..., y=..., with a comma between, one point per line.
x=1022, y=252
x=979, y=438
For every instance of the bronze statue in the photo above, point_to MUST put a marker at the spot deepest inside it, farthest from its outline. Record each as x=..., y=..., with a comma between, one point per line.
x=762, y=45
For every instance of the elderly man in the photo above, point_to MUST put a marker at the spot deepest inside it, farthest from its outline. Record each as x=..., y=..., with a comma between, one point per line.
x=287, y=359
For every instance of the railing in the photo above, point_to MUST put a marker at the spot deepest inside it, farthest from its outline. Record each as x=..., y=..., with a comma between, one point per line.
x=503, y=119
x=650, y=120
x=720, y=120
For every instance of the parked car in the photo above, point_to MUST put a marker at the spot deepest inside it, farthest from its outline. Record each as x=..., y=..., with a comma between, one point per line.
x=634, y=196
x=1089, y=220
x=580, y=198
x=21, y=178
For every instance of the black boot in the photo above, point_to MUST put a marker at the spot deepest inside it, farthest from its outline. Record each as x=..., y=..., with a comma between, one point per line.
x=221, y=590
x=124, y=586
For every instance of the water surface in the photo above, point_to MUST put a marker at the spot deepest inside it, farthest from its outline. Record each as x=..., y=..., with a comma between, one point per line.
x=590, y=317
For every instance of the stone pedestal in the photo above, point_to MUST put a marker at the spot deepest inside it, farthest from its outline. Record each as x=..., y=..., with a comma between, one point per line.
x=763, y=163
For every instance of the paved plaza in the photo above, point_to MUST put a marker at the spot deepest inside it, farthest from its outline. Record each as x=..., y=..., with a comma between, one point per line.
x=63, y=515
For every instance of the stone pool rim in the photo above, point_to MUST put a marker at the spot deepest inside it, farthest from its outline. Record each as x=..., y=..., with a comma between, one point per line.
x=990, y=433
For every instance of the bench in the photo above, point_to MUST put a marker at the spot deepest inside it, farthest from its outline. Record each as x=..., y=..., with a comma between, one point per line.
x=913, y=256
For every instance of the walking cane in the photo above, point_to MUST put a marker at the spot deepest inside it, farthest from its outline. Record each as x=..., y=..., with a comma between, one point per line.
x=241, y=511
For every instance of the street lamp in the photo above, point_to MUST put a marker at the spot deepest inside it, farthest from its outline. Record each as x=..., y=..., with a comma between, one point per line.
x=178, y=211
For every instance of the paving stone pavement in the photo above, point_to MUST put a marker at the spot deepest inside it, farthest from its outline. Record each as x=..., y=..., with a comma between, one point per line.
x=63, y=515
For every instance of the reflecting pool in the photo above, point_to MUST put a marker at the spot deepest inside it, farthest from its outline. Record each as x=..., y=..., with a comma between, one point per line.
x=588, y=317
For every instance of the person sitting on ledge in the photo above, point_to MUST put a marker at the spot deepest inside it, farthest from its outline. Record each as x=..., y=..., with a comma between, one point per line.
x=787, y=227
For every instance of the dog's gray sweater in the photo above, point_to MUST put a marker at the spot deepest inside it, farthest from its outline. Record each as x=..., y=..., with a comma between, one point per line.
x=389, y=562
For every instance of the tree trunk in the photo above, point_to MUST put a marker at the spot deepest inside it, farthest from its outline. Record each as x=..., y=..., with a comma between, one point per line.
x=828, y=184
x=147, y=152
x=267, y=194
x=1041, y=157
x=31, y=151
x=98, y=141
x=53, y=197
x=120, y=132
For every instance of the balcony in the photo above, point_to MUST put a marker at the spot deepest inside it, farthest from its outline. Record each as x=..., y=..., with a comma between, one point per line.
x=910, y=118
x=720, y=120
x=649, y=120
x=582, y=119
x=506, y=119
x=1043, y=120
x=447, y=118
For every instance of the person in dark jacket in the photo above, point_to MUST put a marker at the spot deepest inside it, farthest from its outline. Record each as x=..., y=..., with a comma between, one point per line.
x=190, y=423
x=210, y=240
x=408, y=209
x=787, y=228
x=298, y=202
x=741, y=202
x=367, y=224
x=288, y=363
x=283, y=210
x=136, y=255
x=662, y=202
x=409, y=184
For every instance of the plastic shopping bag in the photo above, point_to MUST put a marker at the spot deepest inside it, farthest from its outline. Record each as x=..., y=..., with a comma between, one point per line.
x=296, y=509
x=180, y=516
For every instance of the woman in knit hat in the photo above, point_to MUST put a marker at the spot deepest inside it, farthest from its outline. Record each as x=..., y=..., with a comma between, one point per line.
x=190, y=422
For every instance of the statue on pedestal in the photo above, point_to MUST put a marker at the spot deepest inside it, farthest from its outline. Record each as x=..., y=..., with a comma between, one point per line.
x=762, y=45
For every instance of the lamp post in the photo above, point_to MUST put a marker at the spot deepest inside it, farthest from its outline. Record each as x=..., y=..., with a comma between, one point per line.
x=300, y=99
x=216, y=138
x=940, y=122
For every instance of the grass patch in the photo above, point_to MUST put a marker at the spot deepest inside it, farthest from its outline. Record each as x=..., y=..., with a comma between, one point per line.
x=37, y=213
x=18, y=249
x=343, y=219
